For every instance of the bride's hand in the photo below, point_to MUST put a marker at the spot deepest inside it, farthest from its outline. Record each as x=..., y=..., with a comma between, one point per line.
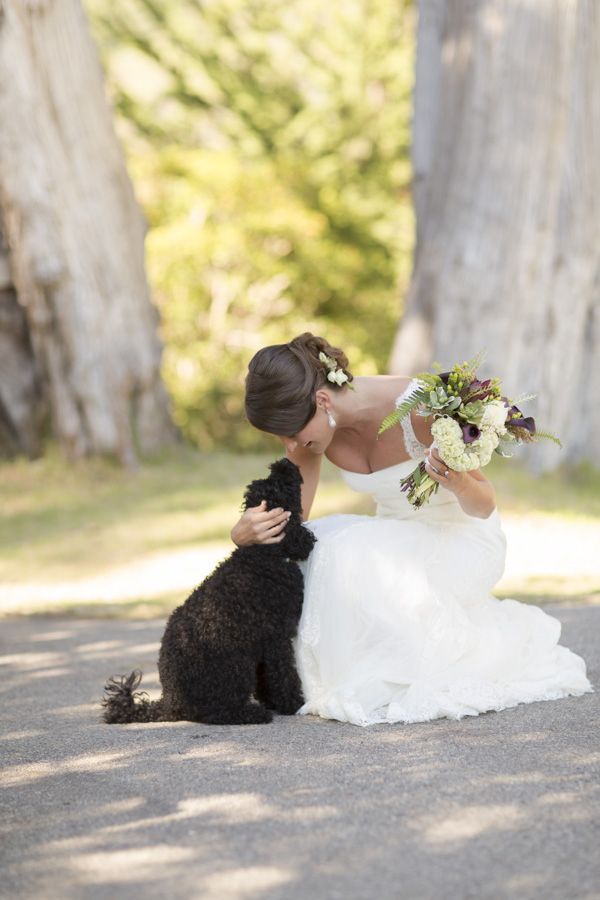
x=437, y=469
x=260, y=526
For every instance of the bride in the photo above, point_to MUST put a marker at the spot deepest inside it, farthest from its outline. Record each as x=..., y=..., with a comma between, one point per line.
x=398, y=622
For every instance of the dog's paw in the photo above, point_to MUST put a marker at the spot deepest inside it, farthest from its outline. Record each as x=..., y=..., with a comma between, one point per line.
x=290, y=707
x=250, y=714
x=256, y=713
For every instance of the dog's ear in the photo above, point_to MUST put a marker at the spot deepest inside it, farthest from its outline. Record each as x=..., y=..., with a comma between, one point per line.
x=287, y=471
x=281, y=488
x=298, y=542
x=256, y=492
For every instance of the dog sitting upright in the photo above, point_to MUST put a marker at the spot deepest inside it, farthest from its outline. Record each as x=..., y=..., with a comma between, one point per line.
x=232, y=638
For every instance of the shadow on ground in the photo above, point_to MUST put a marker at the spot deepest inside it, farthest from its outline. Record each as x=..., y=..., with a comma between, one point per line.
x=500, y=805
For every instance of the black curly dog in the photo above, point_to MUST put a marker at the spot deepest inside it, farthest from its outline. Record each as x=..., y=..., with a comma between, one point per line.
x=232, y=638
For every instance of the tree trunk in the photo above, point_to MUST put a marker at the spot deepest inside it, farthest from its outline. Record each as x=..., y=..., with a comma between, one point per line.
x=82, y=339
x=507, y=200
x=21, y=401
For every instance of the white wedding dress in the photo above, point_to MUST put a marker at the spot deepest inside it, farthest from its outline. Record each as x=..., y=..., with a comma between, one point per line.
x=398, y=622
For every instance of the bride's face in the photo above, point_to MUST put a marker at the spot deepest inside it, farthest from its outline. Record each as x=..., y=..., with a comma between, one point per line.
x=315, y=436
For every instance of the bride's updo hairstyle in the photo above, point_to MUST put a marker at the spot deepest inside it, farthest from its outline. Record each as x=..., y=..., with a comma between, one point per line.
x=282, y=381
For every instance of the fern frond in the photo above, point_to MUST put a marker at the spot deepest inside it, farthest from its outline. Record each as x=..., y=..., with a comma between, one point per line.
x=548, y=435
x=391, y=419
x=429, y=378
x=417, y=395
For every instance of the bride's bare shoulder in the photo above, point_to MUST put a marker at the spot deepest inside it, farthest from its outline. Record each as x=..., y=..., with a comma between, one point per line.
x=392, y=384
x=390, y=378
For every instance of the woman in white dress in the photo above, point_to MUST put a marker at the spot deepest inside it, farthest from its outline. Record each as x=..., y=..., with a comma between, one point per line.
x=398, y=622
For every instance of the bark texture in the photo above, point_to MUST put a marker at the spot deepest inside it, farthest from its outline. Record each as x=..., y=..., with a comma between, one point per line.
x=78, y=331
x=507, y=200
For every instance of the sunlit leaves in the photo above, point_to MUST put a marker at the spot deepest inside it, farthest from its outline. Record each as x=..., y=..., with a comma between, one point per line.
x=268, y=142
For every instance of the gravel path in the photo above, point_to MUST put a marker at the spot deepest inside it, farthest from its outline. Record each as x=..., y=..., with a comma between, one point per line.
x=501, y=805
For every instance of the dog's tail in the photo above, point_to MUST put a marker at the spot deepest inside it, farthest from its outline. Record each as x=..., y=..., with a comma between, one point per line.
x=122, y=704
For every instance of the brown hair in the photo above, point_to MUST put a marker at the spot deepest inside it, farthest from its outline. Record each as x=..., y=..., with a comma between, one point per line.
x=282, y=381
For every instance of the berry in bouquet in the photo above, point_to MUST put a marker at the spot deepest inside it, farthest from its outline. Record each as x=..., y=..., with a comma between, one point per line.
x=472, y=420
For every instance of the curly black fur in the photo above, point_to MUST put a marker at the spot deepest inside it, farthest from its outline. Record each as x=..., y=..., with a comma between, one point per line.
x=232, y=638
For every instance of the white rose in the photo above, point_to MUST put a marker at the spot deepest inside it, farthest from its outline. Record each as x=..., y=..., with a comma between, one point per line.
x=494, y=415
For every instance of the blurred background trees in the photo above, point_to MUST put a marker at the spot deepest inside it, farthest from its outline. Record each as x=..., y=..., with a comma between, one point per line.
x=269, y=147
x=268, y=143
x=506, y=150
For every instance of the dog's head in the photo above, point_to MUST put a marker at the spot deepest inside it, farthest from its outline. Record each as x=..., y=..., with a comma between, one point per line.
x=282, y=488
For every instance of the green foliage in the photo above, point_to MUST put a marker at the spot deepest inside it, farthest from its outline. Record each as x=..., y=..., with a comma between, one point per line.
x=429, y=379
x=268, y=143
x=416, y=396
x=472, y=412
x=544, y=434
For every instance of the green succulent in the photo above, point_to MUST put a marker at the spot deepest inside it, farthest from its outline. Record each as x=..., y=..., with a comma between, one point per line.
x=440, y=400
x=472, y=412
x=454, y=403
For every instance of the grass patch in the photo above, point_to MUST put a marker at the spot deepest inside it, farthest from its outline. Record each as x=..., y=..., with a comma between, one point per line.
x=63, y=522
x=67, y=521
x=571, y=492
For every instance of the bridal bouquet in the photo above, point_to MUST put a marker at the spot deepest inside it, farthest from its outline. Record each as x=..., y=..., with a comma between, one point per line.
x=472, y=420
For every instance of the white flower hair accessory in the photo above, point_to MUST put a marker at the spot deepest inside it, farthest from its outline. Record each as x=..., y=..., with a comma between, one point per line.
x=335, y=374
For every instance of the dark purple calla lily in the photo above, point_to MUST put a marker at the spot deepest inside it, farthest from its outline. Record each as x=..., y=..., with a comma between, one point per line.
x=520, y=420
x=470, y=433
x=528, y=423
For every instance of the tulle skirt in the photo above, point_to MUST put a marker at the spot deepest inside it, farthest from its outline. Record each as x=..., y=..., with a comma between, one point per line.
x=399, y=624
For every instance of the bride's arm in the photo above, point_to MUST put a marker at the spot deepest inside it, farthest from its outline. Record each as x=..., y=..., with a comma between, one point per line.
x=474, y=492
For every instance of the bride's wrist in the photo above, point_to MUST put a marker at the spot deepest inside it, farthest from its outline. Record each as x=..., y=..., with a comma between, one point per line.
x=460, y=483
x=476, y=498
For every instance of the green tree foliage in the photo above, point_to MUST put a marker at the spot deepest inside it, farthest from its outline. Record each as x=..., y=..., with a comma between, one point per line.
x=269, y=146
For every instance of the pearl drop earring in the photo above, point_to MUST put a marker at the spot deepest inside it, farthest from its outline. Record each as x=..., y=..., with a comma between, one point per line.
x=331, y=420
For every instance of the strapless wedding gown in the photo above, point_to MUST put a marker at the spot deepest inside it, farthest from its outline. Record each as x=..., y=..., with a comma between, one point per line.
x=398, y=622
